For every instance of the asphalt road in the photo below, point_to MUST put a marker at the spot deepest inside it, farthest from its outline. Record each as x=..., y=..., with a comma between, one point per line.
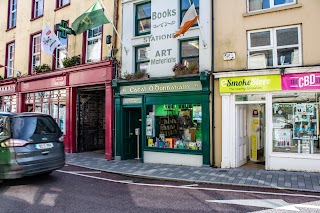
x=76, y=189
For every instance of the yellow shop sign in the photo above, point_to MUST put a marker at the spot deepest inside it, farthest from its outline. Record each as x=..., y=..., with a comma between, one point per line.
x=250, y=83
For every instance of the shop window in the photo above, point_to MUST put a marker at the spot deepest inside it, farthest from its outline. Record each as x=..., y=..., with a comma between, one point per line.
x=143, y=19
x=185, y=5
x=296, y=123
x=12, y=14
x=61, y=3
x=35, y=51
x=256, y=5
x=142, y=59
x=61, y=51
x=10, y=60
x=94, y=44
x=189, y=52
x=49, y=102
x=174, y=126
x=9, y=103
x=276, y=47
x=37, y=9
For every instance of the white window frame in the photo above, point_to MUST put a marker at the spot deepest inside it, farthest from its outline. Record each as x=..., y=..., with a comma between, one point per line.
x=273, y=45
x=61, y=3
x=99, y=37
x=33, y=54
x=271, y=3
x=58, y=49
x=37, y=8
x=13, y=10
x=10, y=60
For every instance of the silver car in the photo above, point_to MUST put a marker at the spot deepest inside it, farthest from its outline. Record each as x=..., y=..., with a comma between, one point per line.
x=30, y=144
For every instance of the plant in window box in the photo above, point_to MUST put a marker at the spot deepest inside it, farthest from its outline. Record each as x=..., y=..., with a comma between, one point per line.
x=42, y=68
x=134, y=76
x=71, y=61
x=181, y=69
x=1, y=78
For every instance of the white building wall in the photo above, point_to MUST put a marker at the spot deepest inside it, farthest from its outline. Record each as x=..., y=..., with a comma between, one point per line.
x=164, y=27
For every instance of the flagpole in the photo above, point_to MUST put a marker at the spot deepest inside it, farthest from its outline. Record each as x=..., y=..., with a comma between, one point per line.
x=9, y=68
x=201, y=33
x=105, y=11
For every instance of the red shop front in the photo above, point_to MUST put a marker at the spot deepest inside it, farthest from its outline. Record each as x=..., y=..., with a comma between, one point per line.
x=80, y=99
x=8, y=95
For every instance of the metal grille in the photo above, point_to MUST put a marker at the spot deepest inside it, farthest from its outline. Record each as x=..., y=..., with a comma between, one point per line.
x=90, y=121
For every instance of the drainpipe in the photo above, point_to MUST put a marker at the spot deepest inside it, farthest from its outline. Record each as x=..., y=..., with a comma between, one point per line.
x=212, y=93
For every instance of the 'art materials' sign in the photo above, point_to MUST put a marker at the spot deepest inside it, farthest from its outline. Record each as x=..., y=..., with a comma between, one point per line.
x=250, y=84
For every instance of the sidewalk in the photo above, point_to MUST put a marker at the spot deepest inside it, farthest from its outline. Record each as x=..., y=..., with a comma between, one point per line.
x=302, y=181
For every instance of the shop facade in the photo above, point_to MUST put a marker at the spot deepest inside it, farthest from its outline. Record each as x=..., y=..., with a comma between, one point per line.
x=80, y=99
x=163, y=120
x=273, y=119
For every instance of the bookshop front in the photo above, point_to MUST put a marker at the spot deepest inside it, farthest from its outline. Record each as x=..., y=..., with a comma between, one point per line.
x=271, y=120
x=163, y=121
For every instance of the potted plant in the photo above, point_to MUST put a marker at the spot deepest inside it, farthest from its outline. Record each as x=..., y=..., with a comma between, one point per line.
x=134, y=76
x=181, y=69
x=71, y=61
x=41, y=68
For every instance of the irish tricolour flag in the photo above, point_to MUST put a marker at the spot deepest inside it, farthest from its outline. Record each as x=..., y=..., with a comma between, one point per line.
x=188, y=20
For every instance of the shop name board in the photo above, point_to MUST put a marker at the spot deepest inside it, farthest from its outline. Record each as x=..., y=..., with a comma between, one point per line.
x=301, y=81
x=132, y=101
x=165, y=87
x=252, y=83
x=8, y=88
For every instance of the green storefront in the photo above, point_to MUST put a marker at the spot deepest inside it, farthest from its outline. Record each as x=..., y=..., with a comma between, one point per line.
x=163, y=120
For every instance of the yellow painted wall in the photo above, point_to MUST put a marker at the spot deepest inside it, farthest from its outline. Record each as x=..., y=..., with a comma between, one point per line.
x=231, y=26
x=230, y=35
x=25, y=27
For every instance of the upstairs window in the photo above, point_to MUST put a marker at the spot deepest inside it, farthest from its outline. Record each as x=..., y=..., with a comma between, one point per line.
x=37, y=8
x=142, y=59
x=189, y=52
x=256, y=5
x=61, y=3
x=35, y=51
x=61, y=51
x=143, y=19
x=185, y=5
x=12, y=14
x=275, y=47
x=94, y=44
x=10, y=60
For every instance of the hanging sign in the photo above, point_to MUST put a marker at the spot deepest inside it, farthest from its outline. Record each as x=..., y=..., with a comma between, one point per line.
x=64, y=29
x=304, y=81
x=250, y=84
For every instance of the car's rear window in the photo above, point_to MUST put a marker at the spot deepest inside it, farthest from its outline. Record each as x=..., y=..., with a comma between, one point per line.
x=26, y=127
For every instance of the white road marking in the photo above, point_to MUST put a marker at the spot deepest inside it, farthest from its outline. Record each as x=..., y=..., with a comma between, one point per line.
x=191, y=185
x=88, y=172
x=265, y=203
x=187, y=187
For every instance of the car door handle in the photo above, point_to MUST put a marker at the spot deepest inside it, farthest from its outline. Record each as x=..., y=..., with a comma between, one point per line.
x=45, y=152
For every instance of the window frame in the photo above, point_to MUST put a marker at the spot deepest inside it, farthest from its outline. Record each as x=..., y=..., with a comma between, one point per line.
x=137, y=20
x=180, y=49
x=272, y=5
x=136, y=48
x=56, y=52
x=35, y=10
x=185, y=10
x=8, y=59
x=12, y=11
x=86, y=40
x=273, y=45
x=59, y=4
x=32, y=54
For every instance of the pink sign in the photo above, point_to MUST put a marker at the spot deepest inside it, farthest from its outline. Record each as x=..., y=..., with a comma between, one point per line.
x=303, y=81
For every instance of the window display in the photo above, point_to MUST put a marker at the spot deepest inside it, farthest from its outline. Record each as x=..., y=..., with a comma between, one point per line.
x=49, y=102
x=296, y=124
x=174, y=126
